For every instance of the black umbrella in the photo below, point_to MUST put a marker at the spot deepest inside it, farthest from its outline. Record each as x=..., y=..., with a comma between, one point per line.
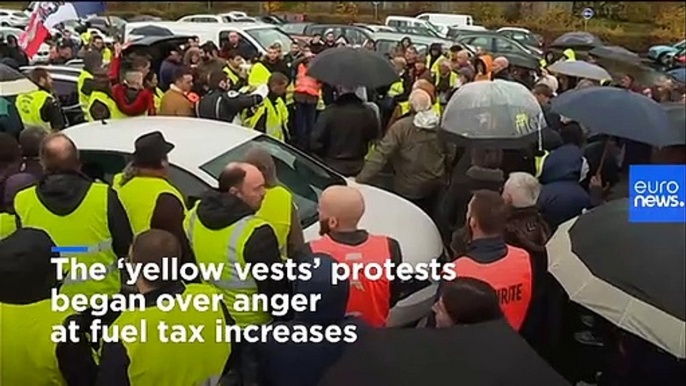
x=151, y=30
x=489, y=353
x=677, y=115
x=352, y=67
x=616, y=53
x=618, y=112
x=583, y=40
x=13, y=82
x=523, y=61
x=629, y=273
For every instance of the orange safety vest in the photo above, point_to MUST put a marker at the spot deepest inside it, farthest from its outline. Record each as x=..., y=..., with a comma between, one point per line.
x=511, y=278
x=306, y=84
x=370, y=299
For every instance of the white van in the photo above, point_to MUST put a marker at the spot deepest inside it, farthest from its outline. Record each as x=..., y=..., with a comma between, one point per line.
x=404, y=23
x=447, y=19
x=259, y=35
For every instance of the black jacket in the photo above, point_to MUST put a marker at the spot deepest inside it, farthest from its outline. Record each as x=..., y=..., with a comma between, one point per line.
x=220, y=210
x=62, y=194
x=343, y=133
x=223, y=105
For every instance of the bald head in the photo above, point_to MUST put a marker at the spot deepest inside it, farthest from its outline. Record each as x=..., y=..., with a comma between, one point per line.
x=500, y=63
x=261, y=159
x=59, y=154
x=340, y=209
x=245, y=181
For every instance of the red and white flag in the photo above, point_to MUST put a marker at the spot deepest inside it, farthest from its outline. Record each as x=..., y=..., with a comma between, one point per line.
x=45, y=16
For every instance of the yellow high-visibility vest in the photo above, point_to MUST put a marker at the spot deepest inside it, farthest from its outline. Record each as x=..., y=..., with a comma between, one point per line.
x=277, y=118
x=84, y=98
x=8, y=224
x=29, y=106
x=139, y=198
x=99, y=96
x=86, y=226
x=276, y=210
x=227, y=246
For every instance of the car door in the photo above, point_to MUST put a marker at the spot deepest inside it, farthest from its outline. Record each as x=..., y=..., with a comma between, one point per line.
x=505, y=45
x=484, y=42
x=354, y=35
x=66, y=92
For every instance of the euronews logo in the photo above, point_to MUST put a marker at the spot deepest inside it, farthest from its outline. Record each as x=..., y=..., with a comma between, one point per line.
x=657, y=193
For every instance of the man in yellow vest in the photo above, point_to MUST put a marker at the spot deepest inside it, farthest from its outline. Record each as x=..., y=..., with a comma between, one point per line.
x=41, y=108
x=446, y=81
x=27, y=278
x=161, y=360
x=236, y=71
x=148, y=196
x=101, y=104
x=434, y=58
x=92, y=64
x=223, y=228
x=76, y=212
x=278, y=207
x=271, y=116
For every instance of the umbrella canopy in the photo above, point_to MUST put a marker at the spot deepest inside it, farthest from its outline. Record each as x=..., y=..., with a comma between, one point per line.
x=151, y=30
x=677, y=115
x=617, y=53
x=496, y=113
x=13, y=82
x=577, y=40
x=489, y=353
x=678, y=74
x=518, y=60
x=580, y=69
x=629, y=273
x=618, y=112
x=351, y=67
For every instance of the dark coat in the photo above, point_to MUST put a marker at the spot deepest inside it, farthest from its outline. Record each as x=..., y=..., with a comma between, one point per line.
x=304, y=364
x=562, y=196
x=343, y=134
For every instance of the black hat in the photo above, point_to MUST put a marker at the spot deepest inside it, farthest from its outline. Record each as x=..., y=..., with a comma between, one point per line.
x=26, y=272
x=151, y=150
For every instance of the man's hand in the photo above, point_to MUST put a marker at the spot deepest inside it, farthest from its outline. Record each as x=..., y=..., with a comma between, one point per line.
x=117, y=49
x=596, y=182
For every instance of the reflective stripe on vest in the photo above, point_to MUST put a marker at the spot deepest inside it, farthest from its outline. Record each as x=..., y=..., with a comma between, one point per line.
x=188, y=363
x=29, y=106
x=8, y=224
x=226, y=246
x=276, y=210
x=99, y=96
x=27, y=354
x=368, y=298
x=510, y=277
x=84, y=98
x=87, y=226
x=306, y=84
x=259, y=75
x=539, y=161
x=139, y=198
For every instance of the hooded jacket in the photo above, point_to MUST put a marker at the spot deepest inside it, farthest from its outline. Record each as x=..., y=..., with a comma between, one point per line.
x=487, y=62
x=220, y=210
x=304, y=364
x=562, y=197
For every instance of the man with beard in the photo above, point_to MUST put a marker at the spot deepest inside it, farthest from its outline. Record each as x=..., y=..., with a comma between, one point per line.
x=236, y=43
x=329, y=39
x=340, y=211
x=41, y=108
x=270, y=63
x=235, y=71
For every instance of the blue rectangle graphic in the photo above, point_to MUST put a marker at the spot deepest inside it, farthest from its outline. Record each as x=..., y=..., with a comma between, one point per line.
x=69, y=249
x=657, y=193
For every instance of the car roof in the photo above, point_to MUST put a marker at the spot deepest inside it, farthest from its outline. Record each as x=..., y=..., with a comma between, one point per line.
x=201, y=15
x=65, y=70
x=196, y=140
x=421, y=39
x=517, y=29
x=200, y=26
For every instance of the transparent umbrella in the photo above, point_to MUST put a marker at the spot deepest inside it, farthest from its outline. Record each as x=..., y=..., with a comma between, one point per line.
x=495, y=113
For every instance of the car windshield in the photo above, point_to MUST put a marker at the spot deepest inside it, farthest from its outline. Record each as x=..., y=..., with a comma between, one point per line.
x=268, y=36
x=304, y=178
x=19, y=14
x=294, y=28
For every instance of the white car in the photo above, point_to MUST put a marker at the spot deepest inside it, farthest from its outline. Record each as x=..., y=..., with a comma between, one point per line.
x=221, y=18
x=204, y=147
x=13, y=18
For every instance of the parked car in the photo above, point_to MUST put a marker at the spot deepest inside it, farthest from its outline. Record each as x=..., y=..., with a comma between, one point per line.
x=352, y=34
x=297, y=29
x=144, y=18
x=13, y=18
x=455, y=32
x=206, y=18
x=376, y=27
x=64, y=85
x=386, y=41
x=201, y=154
x=523, y=36
x=410, y=23
x=662, y=52
x=496, y=43
x=270, y=19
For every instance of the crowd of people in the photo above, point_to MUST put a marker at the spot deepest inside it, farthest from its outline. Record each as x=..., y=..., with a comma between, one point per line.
x=495, y=209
